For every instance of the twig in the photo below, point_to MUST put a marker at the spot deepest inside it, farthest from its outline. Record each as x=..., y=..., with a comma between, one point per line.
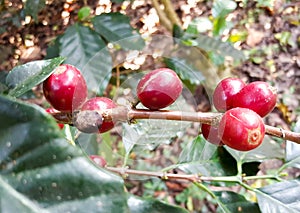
x=162, y=16
x=188, y=177
x=169, y=10
x=128, y=115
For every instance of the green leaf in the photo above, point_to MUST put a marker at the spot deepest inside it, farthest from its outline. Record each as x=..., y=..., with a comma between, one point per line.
x=219, y=26
x=84, y=13
x=3, y=85
x=24, y=77
x=86, y=50
x=196, y=157
x=203, y=157
x=177, y=31
x=185, y=70
x=238, y=36
x=218, y=46
x=199, y=25
x=222, y=8
x=88, y=143
x=198, y=150
x=12, y=201
x=280, y=197
x=41, y=165
x=269, y=149
x=116, y=28
x=41, y=172
x=236, y=203
x=32, y=8
x=53, y=48
x=148, y=134
x=138, y=205
x=292, y=150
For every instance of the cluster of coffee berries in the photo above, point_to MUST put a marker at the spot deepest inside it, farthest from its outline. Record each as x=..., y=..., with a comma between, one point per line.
x=241, y=126
x=66, y=90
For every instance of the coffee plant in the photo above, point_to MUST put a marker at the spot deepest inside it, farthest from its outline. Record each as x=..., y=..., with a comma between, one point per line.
x=76, y=134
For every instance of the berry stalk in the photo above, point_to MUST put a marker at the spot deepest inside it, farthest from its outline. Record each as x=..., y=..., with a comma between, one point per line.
x=124, y=114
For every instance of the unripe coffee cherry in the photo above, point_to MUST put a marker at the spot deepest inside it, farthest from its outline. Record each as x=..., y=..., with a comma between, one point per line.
x=51, y=111
x=100, y=104
x=211, y=134
x=100, y=161
x=241, y=129
x=258, y=96
x=159, y=88
x=65, y=89
x=224, y=93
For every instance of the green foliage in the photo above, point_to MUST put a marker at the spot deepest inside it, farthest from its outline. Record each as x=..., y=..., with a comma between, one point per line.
x=22, y=78
x=280, y=197
x=84, y=49
x=220, y=10
x=40, y=171
x=3, y=85
x=7, y=20
x=185, y=70
x=84, y=13
x=151, y=205
x=63, y=178
x=148, y=134
x=236, y=203
x=32, y=8
x=216, y=46
x=115, y=28
x=269, y=149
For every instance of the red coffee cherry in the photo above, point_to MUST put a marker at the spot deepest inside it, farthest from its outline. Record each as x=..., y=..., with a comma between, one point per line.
x=100, y=104
x=225, y=91
x=52, y=110
x=65, y=89
x=211, y=134
x=159, y=88
x=241, y=129
x=100, y=161
x=258, y=96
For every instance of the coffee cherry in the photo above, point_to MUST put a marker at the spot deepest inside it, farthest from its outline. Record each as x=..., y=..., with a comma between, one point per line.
x=258, y=96
x=224, y=93
x=100, y=161
x=65, y=89
x=100, y=104
x=52, y=110
x=159, y=88
x=211, y=134
x=241, y=129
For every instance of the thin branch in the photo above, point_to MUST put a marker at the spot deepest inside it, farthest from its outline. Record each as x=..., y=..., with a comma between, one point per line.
x=169, y=10
x=170, y=176
x=124, y=172
x=128, y=115
x=162, y=16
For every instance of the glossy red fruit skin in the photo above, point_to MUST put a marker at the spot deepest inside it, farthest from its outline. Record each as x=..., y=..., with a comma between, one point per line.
x=211, y=134
x=100, y=104
x=52, y=110
x=225, y=91
x=159, y=88
x=258, y=96
x=65, y=89
x=100, y=161
x=241, y=129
